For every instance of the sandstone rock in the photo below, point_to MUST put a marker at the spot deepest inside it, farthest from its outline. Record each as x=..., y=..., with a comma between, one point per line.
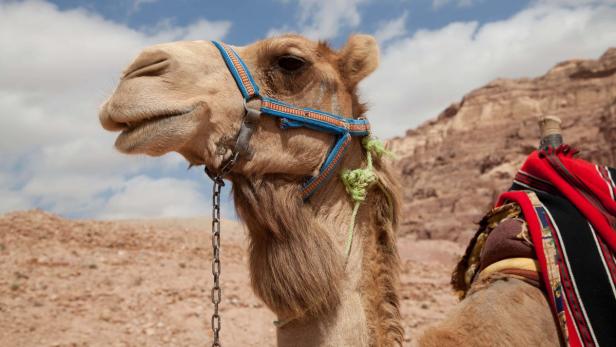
x=454, y=167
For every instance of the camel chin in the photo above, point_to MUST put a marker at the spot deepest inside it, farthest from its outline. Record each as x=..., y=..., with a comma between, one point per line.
x=159, y=135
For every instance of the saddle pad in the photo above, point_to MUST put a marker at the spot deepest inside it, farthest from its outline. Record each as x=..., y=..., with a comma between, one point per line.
x=569, y=207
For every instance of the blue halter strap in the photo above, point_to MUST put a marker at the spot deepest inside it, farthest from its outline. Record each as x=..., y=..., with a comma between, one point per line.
x=292, y=116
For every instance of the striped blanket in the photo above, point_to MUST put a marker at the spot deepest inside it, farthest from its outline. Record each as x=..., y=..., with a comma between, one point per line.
x=555, y=229
x=569, y=206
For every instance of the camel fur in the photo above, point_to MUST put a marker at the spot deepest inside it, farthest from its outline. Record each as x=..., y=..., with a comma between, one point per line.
x=180, y=97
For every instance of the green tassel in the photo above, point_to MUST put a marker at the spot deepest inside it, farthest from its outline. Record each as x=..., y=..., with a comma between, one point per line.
x=358, y=181
x=376, y=147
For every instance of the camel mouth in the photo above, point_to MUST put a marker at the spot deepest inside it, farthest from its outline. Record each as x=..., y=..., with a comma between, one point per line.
x=135, y=125
x=156, y=133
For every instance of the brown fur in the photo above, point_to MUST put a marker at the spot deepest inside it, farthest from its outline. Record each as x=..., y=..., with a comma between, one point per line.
x=382, y=263
x=294, y=265
x=486, y=318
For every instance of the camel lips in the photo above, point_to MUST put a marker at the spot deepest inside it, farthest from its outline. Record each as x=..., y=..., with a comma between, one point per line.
x=131, y=125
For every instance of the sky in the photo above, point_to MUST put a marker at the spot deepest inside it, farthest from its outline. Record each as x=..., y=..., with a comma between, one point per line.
x=61, y=59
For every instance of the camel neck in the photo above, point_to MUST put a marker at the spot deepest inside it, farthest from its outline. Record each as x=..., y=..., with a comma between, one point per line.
x=347, y=323
x=297, y=262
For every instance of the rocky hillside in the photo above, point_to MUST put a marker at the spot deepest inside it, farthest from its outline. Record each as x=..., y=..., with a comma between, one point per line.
x=454, y=167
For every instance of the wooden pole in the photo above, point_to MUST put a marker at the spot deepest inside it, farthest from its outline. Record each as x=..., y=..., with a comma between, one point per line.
x=551, y=132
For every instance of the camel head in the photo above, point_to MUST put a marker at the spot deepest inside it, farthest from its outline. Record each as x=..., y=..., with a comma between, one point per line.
x=181, y=97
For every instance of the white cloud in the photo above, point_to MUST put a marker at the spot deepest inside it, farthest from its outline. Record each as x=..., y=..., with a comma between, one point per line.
x=142, y=197
x=70, y=194
x=12, y=200
x=9, y=198
x=392, y=29
x=202, y=29
x=57, y=68
x=420, y=75
x=323, y=19
x=436, y=4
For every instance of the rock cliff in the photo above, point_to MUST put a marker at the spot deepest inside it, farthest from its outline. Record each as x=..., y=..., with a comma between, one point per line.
x=453, y=167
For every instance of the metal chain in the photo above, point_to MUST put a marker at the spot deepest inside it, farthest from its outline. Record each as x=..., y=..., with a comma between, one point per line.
x=216, y=269
x=216, y=291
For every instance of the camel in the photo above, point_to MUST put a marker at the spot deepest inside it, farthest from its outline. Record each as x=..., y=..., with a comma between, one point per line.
x=181, y=97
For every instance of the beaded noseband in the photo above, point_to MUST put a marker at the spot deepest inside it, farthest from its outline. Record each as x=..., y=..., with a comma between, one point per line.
x=290, y=116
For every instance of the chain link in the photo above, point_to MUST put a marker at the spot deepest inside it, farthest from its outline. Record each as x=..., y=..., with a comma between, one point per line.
x=216, y=290
x=216, y=293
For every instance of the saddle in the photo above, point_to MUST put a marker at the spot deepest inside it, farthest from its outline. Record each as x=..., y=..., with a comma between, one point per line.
x=556, y=229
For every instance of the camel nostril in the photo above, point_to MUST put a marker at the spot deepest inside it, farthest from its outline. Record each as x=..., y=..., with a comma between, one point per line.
x=149, y=63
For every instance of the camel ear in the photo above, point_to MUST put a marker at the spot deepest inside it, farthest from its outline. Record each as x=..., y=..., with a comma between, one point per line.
x=358, y=58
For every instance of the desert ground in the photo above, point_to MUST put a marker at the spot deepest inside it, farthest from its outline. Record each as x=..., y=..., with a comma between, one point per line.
x=147, y=283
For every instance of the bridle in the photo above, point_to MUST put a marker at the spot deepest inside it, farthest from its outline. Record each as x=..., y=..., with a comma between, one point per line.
x=289, y=116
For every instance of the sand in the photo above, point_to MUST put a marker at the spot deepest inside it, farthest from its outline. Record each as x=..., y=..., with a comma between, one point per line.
x=147, y=283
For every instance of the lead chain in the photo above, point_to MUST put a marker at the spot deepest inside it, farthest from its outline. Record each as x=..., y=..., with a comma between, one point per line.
x=216, y=290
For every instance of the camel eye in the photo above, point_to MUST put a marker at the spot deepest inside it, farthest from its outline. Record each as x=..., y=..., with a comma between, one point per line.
x=290, y=63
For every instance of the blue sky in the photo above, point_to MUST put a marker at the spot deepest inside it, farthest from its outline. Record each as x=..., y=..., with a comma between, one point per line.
x=62, y=59
x=252, y=20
